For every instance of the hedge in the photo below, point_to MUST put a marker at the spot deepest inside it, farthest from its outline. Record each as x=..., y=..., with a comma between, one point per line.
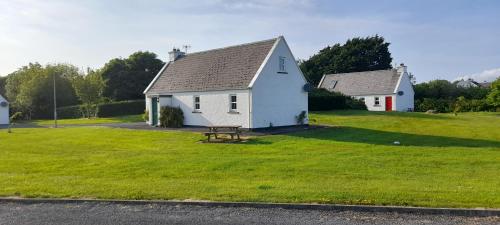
x=322, y=99
x=69, y=112
x=122, y=108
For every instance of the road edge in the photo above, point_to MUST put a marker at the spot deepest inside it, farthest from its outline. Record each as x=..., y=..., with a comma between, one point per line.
x=299, y=206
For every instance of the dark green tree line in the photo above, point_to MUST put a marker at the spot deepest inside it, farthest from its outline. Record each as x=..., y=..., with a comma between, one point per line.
x=357, y=54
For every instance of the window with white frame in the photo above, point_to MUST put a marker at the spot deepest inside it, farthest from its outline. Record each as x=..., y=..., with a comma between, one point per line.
x=233, y=103
x=196, y=103
x=362, y=99
x=282, y=68
x=377, y=101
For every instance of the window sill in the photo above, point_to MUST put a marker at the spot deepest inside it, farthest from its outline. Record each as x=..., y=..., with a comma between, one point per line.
x=196, y=112
x=233, y=112
x=377, y=105
x=283, y=72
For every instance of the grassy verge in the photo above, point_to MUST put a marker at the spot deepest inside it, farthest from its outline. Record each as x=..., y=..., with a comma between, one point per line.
x=443, y=161
x=82, y=121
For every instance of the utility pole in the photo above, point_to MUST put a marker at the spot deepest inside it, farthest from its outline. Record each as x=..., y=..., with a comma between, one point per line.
x=55, y=101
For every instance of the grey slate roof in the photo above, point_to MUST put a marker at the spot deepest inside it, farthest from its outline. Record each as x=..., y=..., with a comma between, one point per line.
x=229, y=68
x=362, y=83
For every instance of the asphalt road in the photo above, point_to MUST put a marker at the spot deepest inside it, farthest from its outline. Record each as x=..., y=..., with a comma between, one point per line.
x=112, y=213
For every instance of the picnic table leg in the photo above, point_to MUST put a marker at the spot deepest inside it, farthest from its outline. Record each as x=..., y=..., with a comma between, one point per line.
x=232, y=136
x=209, y=137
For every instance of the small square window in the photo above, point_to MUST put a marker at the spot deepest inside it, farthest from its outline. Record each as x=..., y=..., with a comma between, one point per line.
x=282, y=64
x=233, y=105
x=377, y=101
x=196, y=102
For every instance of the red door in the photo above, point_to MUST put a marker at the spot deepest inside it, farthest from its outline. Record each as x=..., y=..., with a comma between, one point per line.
x=388, y=103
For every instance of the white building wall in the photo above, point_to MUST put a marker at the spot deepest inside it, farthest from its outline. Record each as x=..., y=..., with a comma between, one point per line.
x=370, y=102
x=278, y=98
x=148, y=108
x=4, y=112
x=214, y=108
x=405, y=102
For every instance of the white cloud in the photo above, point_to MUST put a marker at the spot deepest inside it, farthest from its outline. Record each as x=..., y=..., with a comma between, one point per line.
x=487, y=75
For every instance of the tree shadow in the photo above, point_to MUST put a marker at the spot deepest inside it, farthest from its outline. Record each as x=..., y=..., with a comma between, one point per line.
x=377, y=137
x=385, y=114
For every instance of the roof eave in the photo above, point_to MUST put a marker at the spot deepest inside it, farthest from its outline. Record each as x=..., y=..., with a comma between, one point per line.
x=156, y=78
x=261, y=67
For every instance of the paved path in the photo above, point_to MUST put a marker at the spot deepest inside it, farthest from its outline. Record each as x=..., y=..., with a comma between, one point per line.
x=113, y=213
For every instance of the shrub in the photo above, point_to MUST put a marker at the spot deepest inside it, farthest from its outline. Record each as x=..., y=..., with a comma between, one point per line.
x=121, y=108
x=353, y=103
x=471, y=105
x=16, y=116
x=171, y=117
x=301, y=118
x=439, y=105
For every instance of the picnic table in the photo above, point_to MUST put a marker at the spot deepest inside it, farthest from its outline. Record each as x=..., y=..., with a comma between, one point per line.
x=228, y=130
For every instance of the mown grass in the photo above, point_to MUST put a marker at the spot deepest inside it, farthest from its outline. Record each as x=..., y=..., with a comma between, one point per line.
x=443, y=161
x=85, y=121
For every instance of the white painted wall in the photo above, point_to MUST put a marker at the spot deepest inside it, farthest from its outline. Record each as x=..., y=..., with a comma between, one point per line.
x=370, y=102
x=404, y=102
x=278, y=98
x=214, y=108
x=4, y=112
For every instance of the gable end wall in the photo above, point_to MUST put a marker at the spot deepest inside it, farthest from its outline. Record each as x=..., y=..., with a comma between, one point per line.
x=277, y=98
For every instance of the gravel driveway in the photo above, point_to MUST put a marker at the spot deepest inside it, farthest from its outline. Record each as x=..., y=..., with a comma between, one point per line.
x=113, y=213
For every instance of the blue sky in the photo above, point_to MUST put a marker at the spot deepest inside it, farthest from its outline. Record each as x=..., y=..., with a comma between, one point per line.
x=436, y=39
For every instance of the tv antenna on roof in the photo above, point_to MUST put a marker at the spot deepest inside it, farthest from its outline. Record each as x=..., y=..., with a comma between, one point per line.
x=186, y=47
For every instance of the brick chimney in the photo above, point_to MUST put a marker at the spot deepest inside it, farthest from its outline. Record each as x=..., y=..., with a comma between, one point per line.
x=175, y=54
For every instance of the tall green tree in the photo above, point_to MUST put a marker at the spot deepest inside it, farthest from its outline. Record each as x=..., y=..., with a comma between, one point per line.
x=30, y=88
x=3, y=81
x=357, y=54
x=89, y=90
x=127, y=78
x=494, y=95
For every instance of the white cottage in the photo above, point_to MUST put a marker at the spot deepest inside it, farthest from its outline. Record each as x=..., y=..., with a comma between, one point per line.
x=254, y=85
x=381, y=90
x=4, y=111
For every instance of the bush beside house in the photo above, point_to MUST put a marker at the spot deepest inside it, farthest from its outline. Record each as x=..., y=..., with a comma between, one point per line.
x=322, y=100
x=171, y=117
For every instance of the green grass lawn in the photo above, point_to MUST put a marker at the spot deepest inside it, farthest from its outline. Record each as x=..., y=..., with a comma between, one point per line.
x=443, y=160
x=85, y=121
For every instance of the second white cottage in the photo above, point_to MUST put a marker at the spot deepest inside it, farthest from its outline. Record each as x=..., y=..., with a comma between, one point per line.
x=254, y=85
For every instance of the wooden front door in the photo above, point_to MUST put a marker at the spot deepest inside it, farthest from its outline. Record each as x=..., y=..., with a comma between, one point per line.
x=388, y=103
x=154, y=111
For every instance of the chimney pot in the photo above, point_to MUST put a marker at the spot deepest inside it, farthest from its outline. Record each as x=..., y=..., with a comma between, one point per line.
x=175, y=54
x=402, y=68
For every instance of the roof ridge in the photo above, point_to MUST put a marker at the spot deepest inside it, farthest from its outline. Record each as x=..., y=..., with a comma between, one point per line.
x=233, y=46
x=369, y=71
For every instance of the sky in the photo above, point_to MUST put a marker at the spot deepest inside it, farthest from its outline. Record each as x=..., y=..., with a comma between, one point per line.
x=444, y=39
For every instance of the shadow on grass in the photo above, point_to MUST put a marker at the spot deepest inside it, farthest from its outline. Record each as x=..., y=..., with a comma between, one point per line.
x=377, y=137
x=23, y=124
x=387, y=114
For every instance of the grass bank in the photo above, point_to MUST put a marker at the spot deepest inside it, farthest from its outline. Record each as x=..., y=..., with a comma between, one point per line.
x=442, y=161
